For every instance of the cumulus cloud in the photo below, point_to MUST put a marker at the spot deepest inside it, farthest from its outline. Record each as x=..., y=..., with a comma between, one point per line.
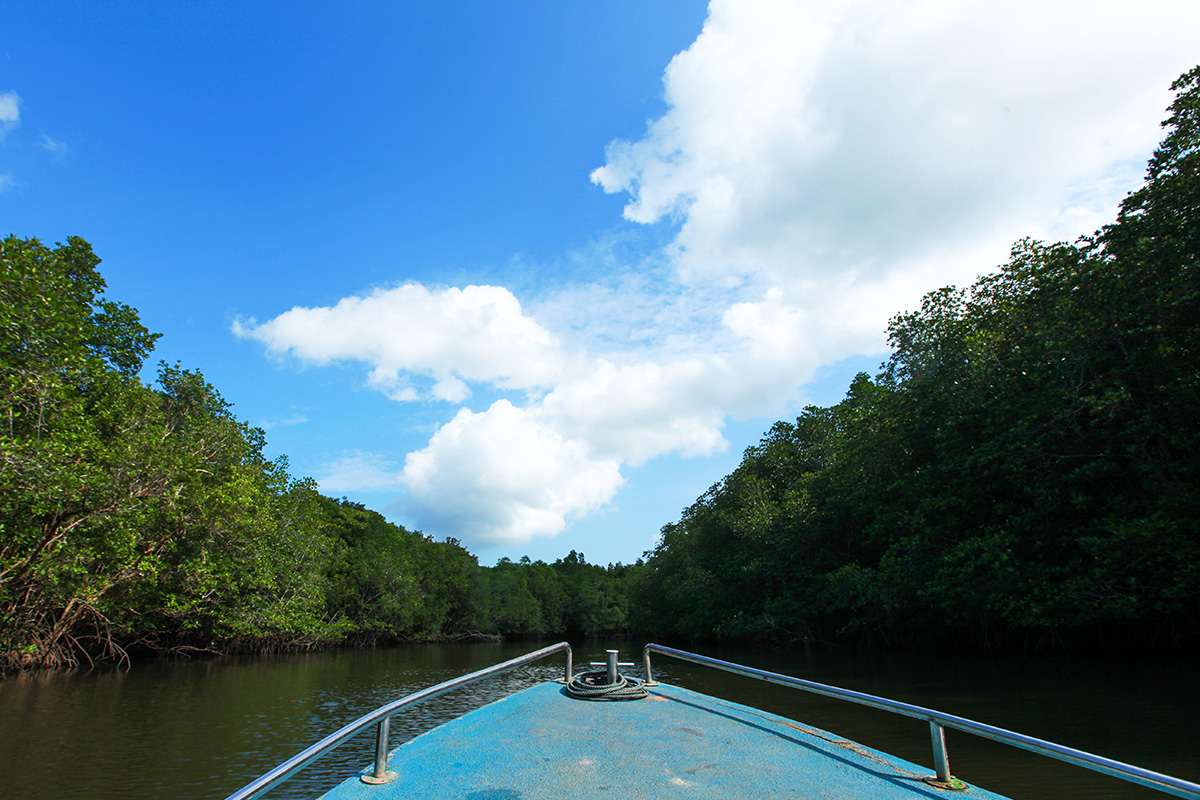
x=821, y=165
x=505, y=476
x=636, y=411
x=510, y=473
x=826, y=149
x=477, y=333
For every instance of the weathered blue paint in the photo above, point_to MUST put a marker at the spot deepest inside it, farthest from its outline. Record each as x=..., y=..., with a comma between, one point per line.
x=540, y=744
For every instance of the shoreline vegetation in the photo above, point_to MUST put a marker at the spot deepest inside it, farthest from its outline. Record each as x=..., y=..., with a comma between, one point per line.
x=1024, y=472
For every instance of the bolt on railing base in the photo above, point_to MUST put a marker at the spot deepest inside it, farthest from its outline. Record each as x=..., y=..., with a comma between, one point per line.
x=379, y=780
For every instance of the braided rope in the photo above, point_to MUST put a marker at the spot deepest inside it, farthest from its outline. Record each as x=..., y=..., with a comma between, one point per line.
x=595, y=686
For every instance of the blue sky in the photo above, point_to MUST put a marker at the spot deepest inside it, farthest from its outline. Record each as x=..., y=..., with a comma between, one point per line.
x=534, y=274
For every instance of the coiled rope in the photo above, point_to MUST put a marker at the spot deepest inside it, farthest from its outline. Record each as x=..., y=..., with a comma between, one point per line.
x=595, y=686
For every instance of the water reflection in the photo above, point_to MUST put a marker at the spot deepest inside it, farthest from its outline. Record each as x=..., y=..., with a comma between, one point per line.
x=202, y=729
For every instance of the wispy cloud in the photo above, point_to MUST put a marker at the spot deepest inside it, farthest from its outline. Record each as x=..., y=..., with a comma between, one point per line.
x=359, y=471
x=273, y=424
x=820, y=166
x=10, y=112
x=53, y=146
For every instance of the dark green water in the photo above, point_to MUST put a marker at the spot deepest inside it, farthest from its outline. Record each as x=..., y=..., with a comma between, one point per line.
x=201, y=729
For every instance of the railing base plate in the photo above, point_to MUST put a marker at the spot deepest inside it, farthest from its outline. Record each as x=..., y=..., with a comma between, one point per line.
x=952, y=785
x=387, y=777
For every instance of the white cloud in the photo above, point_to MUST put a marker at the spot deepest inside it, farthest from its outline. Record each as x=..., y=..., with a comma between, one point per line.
x=820, y=148
x=477, y=333
x=509, y=473
x=636, y=411
x=7, y=182
x=10, y=112
x=823, y=165
x=503, y=476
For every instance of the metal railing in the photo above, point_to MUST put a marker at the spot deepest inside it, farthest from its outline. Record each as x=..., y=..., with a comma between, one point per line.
x=938, y=722
x=381, y=717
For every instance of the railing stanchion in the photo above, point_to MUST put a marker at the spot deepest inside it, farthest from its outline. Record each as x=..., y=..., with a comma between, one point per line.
x=646, y=666
x=941, y=761
x=381, y=746
x=381, y=773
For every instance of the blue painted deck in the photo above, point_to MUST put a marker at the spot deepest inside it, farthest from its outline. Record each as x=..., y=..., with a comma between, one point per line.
x=540, y=744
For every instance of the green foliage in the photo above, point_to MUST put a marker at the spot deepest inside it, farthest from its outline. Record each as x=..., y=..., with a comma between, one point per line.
x=131, y=514
x=74, y=474
x=569, y=596
x=375, y=585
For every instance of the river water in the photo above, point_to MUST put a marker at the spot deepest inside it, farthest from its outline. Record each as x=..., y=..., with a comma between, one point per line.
x=201, y=729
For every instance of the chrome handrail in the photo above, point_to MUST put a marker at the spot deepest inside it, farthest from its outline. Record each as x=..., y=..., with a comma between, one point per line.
x=938, y=721
x=382, y=716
